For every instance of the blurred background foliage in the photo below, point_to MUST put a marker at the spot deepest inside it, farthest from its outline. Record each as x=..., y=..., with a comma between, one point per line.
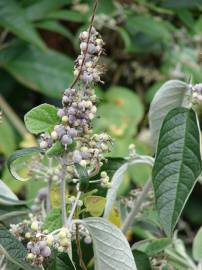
x=147, y=43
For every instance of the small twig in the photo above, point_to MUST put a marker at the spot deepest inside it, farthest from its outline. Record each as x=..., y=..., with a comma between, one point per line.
x=79, y=251
x=73, y=208
x=63, y=193
x=136, y=208
x=85, y=53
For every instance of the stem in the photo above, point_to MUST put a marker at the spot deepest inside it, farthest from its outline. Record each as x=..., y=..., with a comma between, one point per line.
x=63, y=202
x=79, y=251
x=136, y=208
x=73, y=208
x=89, y=32
x=15, y=120
x=48, y=199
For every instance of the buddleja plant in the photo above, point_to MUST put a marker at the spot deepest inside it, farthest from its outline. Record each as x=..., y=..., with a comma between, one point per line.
x=76, y=161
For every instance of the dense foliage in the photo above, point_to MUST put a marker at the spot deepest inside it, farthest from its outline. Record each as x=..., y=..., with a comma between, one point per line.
x=122, y=153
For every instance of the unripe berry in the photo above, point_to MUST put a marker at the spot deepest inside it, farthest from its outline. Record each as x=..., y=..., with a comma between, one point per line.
x=83, y=163
x=60, y=249
x=62, y=233
x=64, y=242
x=28, y=235
x=91, y=116
x=80, y=203
x=88, y=104
x=35, y=226
x=76, y=72
x=30, y=256
x=43, y=144
x=50, y=240
x=54, y=135
x=65, y=119
x=103, y=174
x=46, y=251
x=94, y=109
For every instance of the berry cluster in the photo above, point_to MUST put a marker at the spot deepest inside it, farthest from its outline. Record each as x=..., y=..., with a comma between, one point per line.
x=197, y=93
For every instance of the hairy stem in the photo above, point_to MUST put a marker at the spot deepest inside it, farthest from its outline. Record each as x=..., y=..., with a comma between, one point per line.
x=79, y=251
x=137, y=206
x=74, y=208
x=89, y=32
x=63, y=192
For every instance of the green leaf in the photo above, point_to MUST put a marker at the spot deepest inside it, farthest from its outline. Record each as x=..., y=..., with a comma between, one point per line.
x=60, y=261
x=53, y=220
x=172, y=94
x=152, y=246
x=7, y=138
x=111, y=249
x=149, y=25
x=142, y=260
x=197, y=246
x=83, y=177
x=48, y=72
x=177, y=165
x=14, y=250
x=39, y=9
x=18, y=154
x=13, y=18
x=95, y=205
x=55, y=26
x=126, y=114
x=41, y=118
x=68, y=15
x=56, y=149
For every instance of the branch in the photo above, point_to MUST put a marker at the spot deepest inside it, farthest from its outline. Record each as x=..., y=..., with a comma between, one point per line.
x=136, y=208
x=79, y=251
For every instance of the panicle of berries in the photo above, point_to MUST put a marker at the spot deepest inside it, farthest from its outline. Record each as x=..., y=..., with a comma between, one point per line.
x=74, y=132
x=197, y=93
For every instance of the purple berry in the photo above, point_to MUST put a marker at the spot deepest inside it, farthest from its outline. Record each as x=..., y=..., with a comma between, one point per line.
x=65, y=99
x=72, y=132
x=60, y=130
x=42, y=244
x=72, y=119
x=29, y=245
x=66, y=140
x=61, y=113
x=85, y=155
x=35, y=250
x=76, y=157
x=46, y=251
x=71, y=110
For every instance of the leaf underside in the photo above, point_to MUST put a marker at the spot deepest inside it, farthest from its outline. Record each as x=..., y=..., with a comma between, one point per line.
x=177, y=165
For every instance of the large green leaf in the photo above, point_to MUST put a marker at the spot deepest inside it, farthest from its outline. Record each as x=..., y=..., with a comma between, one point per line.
x=48, y=72
x=126, y=114
x=172, y=94
x=39, y=9
x=111, y=249
x=157, y=29
x=197, y=246
x=14, y=250
x=13, y=18
x=41, y=118
x=83, y=177
x=177, y=165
